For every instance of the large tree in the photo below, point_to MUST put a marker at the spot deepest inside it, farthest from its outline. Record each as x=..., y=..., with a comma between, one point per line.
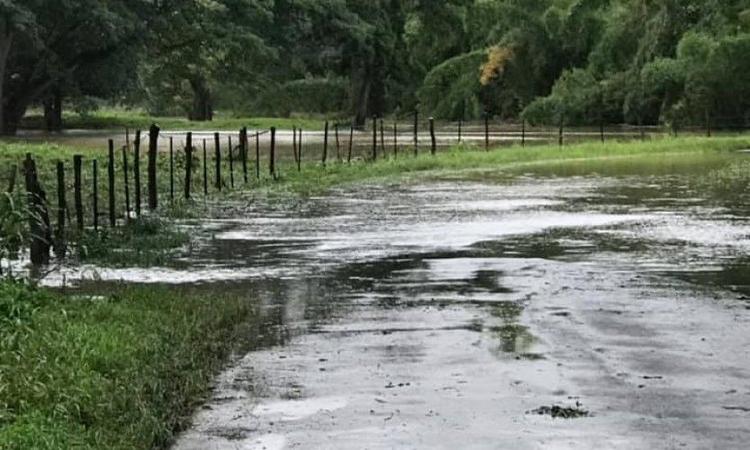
x=44, y=45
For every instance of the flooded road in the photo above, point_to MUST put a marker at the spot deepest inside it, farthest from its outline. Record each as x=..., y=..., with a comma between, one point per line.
x=474, y=314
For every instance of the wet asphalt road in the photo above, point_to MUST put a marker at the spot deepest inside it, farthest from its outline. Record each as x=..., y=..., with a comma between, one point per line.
x=441, y=316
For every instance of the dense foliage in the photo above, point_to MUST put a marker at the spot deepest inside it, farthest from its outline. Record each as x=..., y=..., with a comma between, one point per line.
x=674, y=62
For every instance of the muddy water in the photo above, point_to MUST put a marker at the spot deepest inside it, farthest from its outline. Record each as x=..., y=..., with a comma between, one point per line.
x=441, y=315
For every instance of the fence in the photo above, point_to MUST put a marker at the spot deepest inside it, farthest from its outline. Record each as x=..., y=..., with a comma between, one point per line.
x=204, y=163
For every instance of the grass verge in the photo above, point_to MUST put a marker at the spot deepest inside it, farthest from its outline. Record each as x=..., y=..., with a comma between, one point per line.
x=121, y=372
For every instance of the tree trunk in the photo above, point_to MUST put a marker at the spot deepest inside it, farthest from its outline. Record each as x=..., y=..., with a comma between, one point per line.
x=53, y=111
x=6, y=38
x=202, y=109
x=361, y=87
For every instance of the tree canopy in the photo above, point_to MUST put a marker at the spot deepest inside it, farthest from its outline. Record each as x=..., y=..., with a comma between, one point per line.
x=673, y=62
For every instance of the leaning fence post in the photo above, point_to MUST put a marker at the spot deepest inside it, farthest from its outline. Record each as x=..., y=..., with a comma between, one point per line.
x=60, y=245
x=95, y=199
x=127, y=183
x=12, y=178
x=374, y=138
x=153, y=143
x=325, y=143
x=137, y=171
x=217, y=160
x=243, y=152
x=272, y=158
x=39, y=217
x=433, y=144
x=111, y=183
x=188, y=164
x=205, y=170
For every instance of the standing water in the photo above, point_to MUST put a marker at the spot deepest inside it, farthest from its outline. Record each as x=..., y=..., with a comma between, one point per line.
x=571, y=306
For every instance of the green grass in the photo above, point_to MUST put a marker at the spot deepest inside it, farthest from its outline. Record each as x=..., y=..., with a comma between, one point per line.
x=121, y=372
x=114, y=118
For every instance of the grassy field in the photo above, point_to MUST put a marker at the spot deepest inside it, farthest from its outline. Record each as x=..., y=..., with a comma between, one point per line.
x=121, y=372
x=114, y=118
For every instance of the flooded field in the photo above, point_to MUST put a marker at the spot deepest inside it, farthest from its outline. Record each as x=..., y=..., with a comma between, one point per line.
x=402, y=140
x=582, y=305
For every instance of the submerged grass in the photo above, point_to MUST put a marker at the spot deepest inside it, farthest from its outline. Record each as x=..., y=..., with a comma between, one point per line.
x=316, y=179
x=112, y=118
x=121, y=372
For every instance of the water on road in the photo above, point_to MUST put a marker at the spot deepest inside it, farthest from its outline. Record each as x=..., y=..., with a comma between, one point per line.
x=473, y=314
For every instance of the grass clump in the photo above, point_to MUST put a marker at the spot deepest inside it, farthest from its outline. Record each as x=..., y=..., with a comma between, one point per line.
x=732, y=179
x=121, y=372
x=145, y=241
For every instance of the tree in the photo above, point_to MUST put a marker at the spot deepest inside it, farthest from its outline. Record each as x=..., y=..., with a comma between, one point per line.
x=47, y=43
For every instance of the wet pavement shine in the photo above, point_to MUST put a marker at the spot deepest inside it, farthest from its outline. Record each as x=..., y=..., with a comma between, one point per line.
x=547, y=312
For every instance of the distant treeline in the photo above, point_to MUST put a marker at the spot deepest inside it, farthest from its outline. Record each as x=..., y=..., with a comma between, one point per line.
x=578, y=62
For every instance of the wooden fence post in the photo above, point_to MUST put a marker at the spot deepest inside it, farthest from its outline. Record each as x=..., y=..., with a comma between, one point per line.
x=382, y=139
x=188, y=164
x=77, y=195
x=111, y=183
x=171, y=169
x=62, y=207
x=601, y=130
x=433, y=144
x=560, y=133
x=272, y=158
x=351, y=143
x=338, y=143
x=294, y=144
x=299, y=151
x=395, y=140
x=39, y=223
x=523, y=133
x=231, y=162
x=153, y=147
x=460, y=123
x=217, y=160
x=95, y=198
x=126, y=182
x=325, y=143
x=137, y=171
x=416, y=133
x=205, y=170
x=257, y=155
x=243, y=153
x=374, y=138
x=12, y=178
x=486, y=131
